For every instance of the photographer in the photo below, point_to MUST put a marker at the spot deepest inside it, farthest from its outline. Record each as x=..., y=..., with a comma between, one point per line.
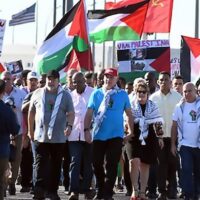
x=8, y=126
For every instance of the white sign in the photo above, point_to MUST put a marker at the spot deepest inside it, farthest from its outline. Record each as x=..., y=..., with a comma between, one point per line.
x=2, y=30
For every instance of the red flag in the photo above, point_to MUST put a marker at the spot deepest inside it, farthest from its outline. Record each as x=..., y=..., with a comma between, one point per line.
x=80, y=56
x=1, y=68
x=80, y=60
x=158, y=18
x=79, y=24
x=113, y=5
x=162, y=63
x=190, y=58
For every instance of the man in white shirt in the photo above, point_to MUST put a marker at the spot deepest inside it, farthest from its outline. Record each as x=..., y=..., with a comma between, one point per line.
x=186, y=126
x=80, y=150
x=166, y=99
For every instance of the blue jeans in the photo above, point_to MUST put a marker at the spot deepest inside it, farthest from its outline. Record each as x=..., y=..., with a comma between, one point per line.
x=81, y=158
x=190, y=166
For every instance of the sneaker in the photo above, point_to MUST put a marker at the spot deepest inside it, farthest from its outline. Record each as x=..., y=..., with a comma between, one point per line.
x=73, y=196
x=12, y=189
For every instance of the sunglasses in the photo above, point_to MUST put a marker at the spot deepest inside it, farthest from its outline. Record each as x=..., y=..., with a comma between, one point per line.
x=141, y=92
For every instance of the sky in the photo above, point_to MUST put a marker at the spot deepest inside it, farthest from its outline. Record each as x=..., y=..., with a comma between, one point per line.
x=183, y=19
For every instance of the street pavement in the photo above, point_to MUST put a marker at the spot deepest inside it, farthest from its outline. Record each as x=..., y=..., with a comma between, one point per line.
x=63, y=196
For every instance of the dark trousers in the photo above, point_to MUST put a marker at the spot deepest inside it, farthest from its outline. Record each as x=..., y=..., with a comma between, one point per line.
x=152, y=181
x=167, y=168
x=190, y=167
x=127, y=178
x=48, y=166
x=81, y=155
x=106, y=155
x=26, y=167
x=66, y=163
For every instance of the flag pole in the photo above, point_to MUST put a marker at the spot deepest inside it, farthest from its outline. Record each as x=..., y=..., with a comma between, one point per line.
x=36, y=24
x=93, y=44
x=54, y=12
x=197, y=19
x=114, y=45
x=104, y=46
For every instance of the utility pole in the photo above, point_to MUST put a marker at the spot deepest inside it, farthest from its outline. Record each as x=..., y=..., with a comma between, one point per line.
x=54, y=12
x=197, y=19
x=69, y=4
x=64, y=7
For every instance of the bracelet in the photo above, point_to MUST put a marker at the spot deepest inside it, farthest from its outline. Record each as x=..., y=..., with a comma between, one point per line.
x=86, y=129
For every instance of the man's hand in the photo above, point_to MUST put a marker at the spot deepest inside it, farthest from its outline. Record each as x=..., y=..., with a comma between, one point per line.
x=128, y=137
x=26, y=141
x=161, y=143
x=88, y=136
x=68, y=131
x=173, y=149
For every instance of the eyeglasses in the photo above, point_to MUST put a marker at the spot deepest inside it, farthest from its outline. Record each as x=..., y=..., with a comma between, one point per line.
x=141, y=92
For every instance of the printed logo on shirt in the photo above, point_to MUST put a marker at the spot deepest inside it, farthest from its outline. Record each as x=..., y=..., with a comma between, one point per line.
x=193, y=115
x=51, y=104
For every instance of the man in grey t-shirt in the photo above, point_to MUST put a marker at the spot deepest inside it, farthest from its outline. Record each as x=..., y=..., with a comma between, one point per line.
x=52, y=110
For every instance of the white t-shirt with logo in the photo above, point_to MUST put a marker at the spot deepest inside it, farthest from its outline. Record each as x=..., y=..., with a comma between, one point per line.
x=190, y=129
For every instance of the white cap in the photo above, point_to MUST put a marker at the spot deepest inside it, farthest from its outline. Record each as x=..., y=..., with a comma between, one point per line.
x=31, y=75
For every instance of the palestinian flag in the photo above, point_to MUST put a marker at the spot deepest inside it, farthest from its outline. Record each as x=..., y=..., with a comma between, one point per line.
x=190, y=59
x=124, y=23
x=69, y=34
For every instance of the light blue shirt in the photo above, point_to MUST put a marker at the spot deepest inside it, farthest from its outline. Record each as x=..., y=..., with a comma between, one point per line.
x=112, y=125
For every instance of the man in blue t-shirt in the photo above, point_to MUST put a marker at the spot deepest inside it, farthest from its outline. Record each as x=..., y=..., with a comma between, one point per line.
x=105, y=108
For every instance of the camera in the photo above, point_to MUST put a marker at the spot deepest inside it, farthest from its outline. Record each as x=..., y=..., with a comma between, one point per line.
x=10, y=102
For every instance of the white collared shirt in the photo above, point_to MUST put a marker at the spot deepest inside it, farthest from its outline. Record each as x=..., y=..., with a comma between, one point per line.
x=166, y=104
x=80, y=102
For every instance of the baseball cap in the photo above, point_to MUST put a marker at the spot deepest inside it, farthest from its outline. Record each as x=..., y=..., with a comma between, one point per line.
x=111, y=71
x=53, y=73
x=31, y=75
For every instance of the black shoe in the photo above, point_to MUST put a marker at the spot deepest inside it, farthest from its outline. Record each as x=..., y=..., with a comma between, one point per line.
x=98, y=197
x=128, y=193
x=152, y=195
x=73, y=196
x=25, y=189
x=54, y=196
x=38, y=194
x=12, y=189
x=162, y=197
x=90, y=194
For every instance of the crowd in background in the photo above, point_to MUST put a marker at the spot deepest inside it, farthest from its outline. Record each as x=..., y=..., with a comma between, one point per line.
x=98, y=134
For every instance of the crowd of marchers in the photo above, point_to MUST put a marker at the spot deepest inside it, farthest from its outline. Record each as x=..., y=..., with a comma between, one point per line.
x=97, y=134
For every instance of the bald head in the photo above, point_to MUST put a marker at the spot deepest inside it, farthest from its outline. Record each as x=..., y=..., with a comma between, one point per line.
x=189, y=92
x=78, y=81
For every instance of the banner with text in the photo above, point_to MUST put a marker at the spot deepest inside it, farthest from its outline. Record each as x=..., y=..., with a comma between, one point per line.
x=144, y=55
